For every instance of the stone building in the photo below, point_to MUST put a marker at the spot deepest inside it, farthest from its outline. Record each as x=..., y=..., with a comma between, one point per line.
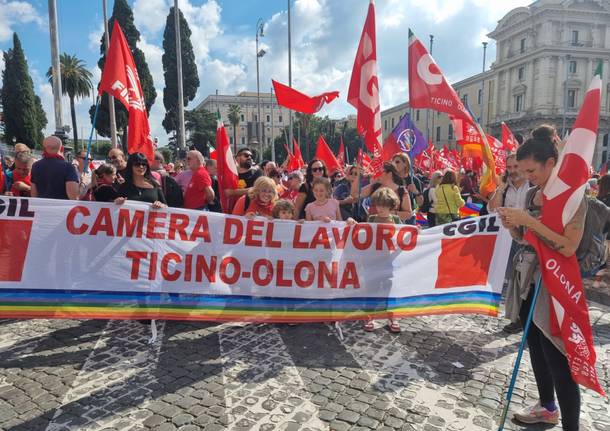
x=274, y=118
x=545, y=57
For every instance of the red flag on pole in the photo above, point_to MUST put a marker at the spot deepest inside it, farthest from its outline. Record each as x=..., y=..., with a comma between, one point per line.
x=561, y=198
x=298, y=161
x=120, y=79
x=341, y=155
x=428, y=87
x=297, y=101
x=324, y=153
x=226, y=168
x=508, y=139
x=364, y=86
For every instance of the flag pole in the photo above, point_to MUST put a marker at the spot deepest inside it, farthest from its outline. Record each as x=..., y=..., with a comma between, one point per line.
x=291, y=136
x=97, y=108
x=513, y=379
x=113, y=137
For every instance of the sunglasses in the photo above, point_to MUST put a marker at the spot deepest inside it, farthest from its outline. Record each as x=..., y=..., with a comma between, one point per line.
x=317, y=169
x=247, y=156
x=112, y=158
x=145, y=164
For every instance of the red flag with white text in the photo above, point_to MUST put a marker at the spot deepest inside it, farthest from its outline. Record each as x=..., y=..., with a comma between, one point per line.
x=561, y=198
x=363, y=91
x=120, y=79
x=428, y=87
x=226, y=167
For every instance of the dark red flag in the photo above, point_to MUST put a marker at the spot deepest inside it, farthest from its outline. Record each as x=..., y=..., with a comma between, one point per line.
x=364, y=86
x=120, y=79
x=292, y=99
x=324, y=153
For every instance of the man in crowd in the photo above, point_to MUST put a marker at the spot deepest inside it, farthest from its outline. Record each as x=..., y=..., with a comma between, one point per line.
x=247, y=173
x=511, y=193
x=212, y=168
x=117, y=158
x=199, y=191
x=82, y=161
x=171, y=189
x=267, y=166
x=22, y=180
x=52, y=176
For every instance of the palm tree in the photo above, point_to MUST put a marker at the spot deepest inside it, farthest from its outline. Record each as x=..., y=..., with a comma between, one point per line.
x=234, y=117
x=75, y=82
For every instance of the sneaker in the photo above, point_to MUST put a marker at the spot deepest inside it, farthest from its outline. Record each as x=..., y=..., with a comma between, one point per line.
x=537, y=414
x=512, y=328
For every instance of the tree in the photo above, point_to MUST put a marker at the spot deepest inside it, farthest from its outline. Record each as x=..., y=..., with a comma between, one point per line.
x=201, y=128
x=123, y=13
x=75, y=82
x=24, y=118
x=190, y=79
x=234, y=118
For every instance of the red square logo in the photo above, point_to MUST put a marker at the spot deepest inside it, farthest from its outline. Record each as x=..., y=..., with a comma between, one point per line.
x=14, y=241
x=465, y=261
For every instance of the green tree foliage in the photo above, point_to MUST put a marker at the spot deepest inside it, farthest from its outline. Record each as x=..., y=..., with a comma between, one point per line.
x=190, y=79
x=24, y=118
x=201, y=129
x=234, y=118
x=75, y=82
x=123, y=13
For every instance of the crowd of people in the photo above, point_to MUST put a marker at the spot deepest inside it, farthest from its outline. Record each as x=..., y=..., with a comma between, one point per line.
x=354, y=195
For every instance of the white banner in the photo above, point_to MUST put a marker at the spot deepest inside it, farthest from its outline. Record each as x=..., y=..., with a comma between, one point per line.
x=58, y=246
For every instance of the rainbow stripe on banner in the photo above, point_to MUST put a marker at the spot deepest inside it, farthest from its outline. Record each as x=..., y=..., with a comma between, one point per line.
x=79, y=304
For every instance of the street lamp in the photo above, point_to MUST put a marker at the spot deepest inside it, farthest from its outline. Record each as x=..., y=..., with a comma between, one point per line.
x=259, y=53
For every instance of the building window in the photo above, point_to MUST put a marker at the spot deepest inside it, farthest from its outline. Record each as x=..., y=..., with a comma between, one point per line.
x=480, y=96
x=417, y=115
x=268, y=140
x=574, y=37
x=571, y=98
x=268, y=118
x=255, y=118
x=243, y=140
x=450, y=132
x=438, y=134
x=604, y=156
x=465, y=99
x=392, y=121
x=605, y=141
x=521, y=73
x=280, y=119
x=572, y=67
x=522, y=46
x=385, y=125
x=519, y=103
x=231, y=140
x=242, y=117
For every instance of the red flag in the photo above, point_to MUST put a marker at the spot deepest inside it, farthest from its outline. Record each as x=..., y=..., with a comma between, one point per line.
x=508, y=139
x=364, y=86
x=120, y=79
x=297, y=157
x=324, y=153
x=428, y=87
x=364, y=161
x=561, y=198
x=341, y=155
x=226, y=168
x=297, y=101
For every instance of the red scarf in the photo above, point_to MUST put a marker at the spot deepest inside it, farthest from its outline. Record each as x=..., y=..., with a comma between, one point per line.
x=260, y=208
x=20, y=178
x=52, y=156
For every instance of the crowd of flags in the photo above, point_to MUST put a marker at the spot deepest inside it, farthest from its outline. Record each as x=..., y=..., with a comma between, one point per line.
x=428, y=89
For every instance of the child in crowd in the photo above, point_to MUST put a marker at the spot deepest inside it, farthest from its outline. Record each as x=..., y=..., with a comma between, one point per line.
x=386, y=201
x=324, y=208
x=104, y=178
x=284, y=210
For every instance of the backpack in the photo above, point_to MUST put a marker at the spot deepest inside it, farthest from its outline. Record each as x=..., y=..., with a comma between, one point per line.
x=591, y=252
x=172, y=192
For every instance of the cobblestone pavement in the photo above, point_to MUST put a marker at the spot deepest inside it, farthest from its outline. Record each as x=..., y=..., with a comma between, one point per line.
x=440, y=373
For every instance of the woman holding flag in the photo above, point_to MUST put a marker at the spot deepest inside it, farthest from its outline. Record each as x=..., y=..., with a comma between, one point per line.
x=537, y=158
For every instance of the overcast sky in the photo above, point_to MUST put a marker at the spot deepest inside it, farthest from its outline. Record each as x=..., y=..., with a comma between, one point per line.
x=325, y=35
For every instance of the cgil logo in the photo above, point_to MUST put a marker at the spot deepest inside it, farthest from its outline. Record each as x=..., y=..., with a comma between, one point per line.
x=14, y=207
x=470, y=227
